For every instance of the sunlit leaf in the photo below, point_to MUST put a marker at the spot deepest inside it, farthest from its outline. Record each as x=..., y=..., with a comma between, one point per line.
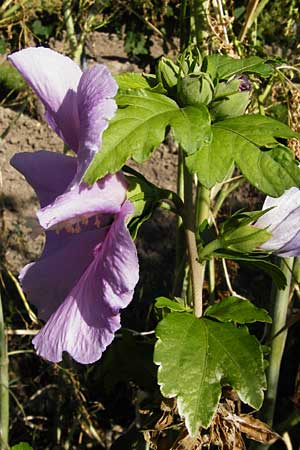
x=139, y=127
x=250, y=142
x=198, y=356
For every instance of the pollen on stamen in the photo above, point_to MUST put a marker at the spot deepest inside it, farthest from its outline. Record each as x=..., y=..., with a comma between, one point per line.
x=77, y=228
x=97, y=221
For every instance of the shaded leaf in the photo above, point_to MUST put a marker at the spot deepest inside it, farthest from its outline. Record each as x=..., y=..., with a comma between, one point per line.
x=22, y=446
x=172, y=305
x=198, y=356
x=236, y=309
x=257, y=262
x=145, y=197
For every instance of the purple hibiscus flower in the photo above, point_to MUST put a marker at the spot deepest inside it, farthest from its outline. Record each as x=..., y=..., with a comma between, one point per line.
x=89, y=267
x=283, y=221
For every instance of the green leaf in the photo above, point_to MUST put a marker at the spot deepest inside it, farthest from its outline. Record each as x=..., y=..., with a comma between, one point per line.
x=131, y=80
x=246, y=238
x=173, y=305
x=191, y=127
x=145, y=197
x=198, y=356
x=139, y=127
x=212, y=162
x=225, y=67
x=244, y=140
x=257, y=262
x=22, y=446
x=239, y=310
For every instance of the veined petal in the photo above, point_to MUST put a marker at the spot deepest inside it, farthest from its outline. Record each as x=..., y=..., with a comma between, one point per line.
x=118, y=262
x=283, y=221
x=105, y=196
x=54, y=78
x=48, y=282
x=84, y=325
x=96, y=106
x=48, y=173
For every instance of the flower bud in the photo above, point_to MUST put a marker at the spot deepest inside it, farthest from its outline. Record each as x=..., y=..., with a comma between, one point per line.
x=195, y=89
x=231, y=98
x=167, y=72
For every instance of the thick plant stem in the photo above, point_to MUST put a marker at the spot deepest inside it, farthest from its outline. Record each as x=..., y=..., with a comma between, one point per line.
x=67, y=11
x=184, y=25
x=202, y=204
x=200, y=11
x=280, y=308
x=180, y=246
x=196, y=269
x=4, y=391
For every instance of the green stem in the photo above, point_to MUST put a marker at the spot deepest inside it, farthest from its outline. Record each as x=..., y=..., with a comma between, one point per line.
x=280, y=308
x=212, y=280
x=196, y=269
x=223, y=194
x=180, y=247
x=202, y=204
x=67, y=11
x=184, y=25
x=4, y=391
x=200, y=12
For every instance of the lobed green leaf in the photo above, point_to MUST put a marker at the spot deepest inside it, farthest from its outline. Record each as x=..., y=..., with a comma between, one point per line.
x=139, y=127
x=238, y=310
x=196, y=357
x=245, y=140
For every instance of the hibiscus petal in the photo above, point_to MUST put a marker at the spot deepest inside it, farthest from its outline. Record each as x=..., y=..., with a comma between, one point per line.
x=96, y=106
x=283, y=222
x=84, y=325
x=66, y=256
x=48, y=173
x=54, y=78
x=105, y=196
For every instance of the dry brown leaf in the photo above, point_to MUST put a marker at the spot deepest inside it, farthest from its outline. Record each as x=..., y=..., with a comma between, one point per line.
x=253, y=428
x=186, y=442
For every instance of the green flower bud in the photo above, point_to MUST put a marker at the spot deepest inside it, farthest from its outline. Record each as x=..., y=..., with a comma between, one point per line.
x=195, y=90
x=167, y=72
x=190, y=61
x=232, y=106
x=231, y=99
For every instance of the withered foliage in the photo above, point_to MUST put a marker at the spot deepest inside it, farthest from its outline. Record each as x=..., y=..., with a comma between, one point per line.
x=226, y=431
